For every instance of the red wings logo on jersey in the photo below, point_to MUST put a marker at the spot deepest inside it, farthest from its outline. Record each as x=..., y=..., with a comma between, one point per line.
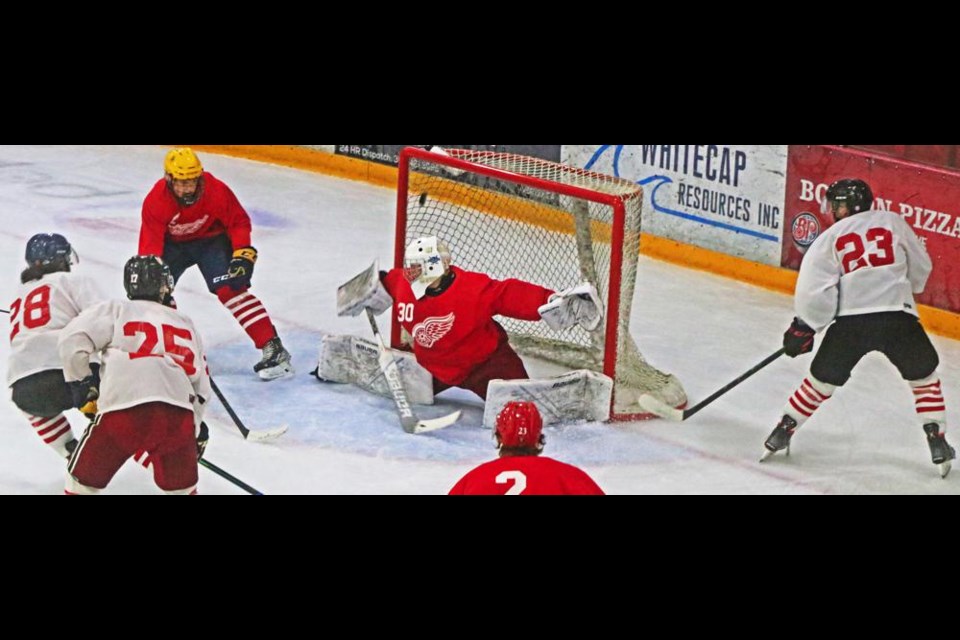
x=185, y=228
x=432, y=329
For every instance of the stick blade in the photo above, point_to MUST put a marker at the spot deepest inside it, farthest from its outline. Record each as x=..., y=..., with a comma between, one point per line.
x=264, y=435
x=424, y=426
x=409, y=423
x=659, y=408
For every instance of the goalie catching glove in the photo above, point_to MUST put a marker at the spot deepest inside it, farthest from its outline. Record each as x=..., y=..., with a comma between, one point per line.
x=240, y=270
x=577, y=305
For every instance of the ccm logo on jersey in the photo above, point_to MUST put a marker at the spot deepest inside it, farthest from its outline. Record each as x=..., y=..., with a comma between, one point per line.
x=430, y=330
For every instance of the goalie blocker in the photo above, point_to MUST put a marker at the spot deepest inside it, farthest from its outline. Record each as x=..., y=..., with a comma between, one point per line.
x=578, y=395
x=363, y=291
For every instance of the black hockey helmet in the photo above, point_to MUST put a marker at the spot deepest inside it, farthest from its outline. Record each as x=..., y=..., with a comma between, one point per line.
x=50, y=250
x=147, y=278
x=854, y=193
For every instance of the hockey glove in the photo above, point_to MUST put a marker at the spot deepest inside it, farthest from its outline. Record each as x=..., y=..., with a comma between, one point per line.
x=364, y=291
x=203, y=437
x=379, y=300
x=798, y=338
x=240, y=270
x=84, y=394
x=576, y=305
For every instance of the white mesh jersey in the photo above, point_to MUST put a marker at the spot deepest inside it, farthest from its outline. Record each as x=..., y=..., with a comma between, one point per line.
x=41, y=309
x=866, y=263
x=150, y=353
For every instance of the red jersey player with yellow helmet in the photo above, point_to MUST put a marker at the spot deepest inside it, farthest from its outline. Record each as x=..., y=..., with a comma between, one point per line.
x=192, y=218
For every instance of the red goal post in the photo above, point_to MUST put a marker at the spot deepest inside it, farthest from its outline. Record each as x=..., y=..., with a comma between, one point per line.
x=513, y=216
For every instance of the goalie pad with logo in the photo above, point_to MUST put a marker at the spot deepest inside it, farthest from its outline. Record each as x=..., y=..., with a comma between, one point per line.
x=578, y=395
x=354, y=360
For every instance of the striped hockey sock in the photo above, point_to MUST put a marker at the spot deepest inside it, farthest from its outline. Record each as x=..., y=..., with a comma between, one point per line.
x=250, y=313
x=53, y=431
x=928, y=400
x=807, y=399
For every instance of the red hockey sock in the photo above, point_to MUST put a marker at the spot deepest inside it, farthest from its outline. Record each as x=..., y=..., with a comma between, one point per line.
x=250, y=313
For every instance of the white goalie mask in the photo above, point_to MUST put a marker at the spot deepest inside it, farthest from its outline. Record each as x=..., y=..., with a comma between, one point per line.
x=424, y=262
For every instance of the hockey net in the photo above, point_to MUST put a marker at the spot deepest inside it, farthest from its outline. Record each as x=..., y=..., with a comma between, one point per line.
x=513, y=216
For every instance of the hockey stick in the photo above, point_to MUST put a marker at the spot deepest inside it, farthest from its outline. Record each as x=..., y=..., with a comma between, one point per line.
x=259, y=435
x=660, y=408
x=223, y=474
x=408, y=419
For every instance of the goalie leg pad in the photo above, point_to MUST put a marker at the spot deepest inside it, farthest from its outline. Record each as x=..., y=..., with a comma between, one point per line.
x=354, y=360
x=578, y=395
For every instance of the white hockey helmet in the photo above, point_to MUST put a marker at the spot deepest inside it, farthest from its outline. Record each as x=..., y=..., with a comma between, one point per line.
x=425, y=261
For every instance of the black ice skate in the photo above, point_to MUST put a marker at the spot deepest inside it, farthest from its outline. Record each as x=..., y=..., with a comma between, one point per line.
x=940, y=452
x=275, y=362
x=779, y=438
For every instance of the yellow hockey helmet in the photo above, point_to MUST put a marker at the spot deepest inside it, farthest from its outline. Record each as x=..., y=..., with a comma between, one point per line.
x=182, y=164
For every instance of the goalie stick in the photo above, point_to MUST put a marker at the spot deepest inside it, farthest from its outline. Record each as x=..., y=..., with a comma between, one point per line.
x=408, y=419
x=660, y=408
x=258, y=435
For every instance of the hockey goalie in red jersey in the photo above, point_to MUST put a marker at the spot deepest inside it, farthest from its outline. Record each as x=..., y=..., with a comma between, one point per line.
x=447, y=315
x=521, y=469
x=192, y=218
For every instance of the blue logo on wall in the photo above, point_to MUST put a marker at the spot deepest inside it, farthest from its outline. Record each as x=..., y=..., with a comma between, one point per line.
x=661, y=180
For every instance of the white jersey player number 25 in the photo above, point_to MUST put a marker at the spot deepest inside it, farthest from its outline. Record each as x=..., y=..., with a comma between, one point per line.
x=183, y=355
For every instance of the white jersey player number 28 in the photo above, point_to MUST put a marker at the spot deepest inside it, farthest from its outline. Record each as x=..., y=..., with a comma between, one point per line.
x=36, y=310
x=182, y=354
x=517, y=477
